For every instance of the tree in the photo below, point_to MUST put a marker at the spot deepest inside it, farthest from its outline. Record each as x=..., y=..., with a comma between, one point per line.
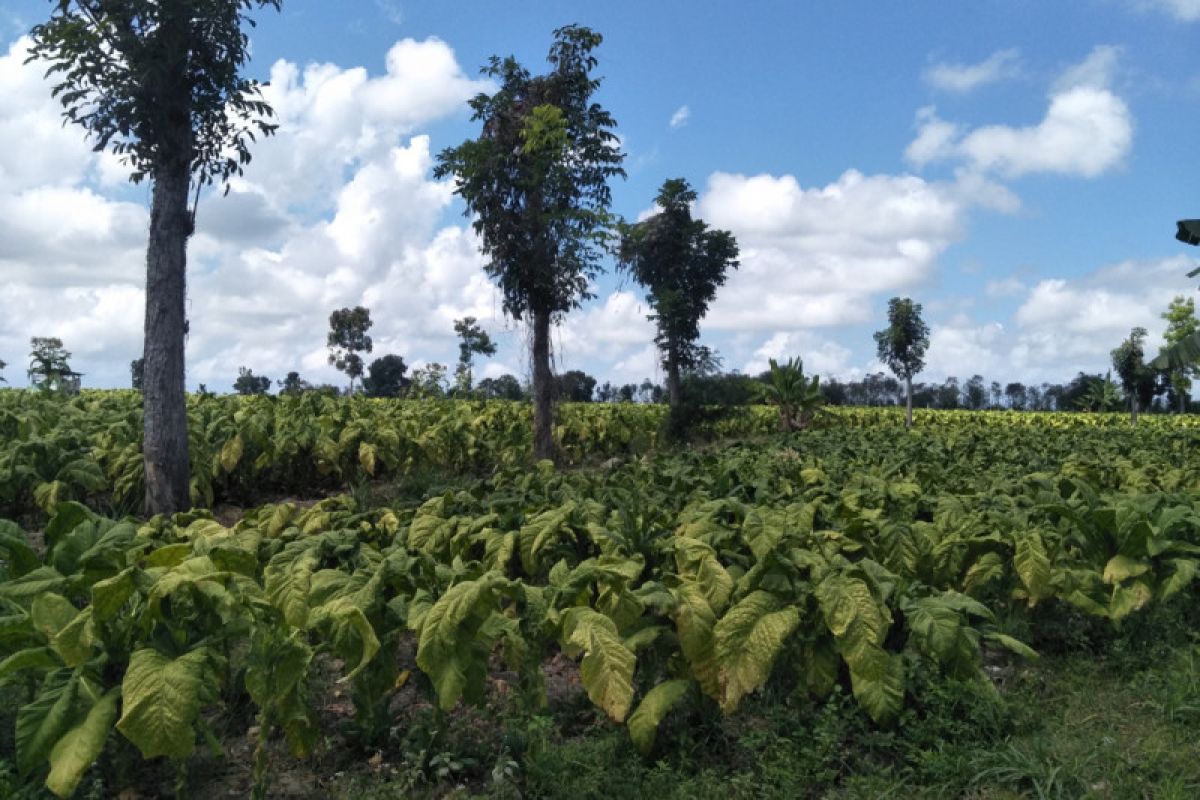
x=385, y=377
x=2, y=366
x=1181, y=324
x=347, y=338
x=293, y=384
x=536, y=182
x=1098, y=394
x=1136, y=376
x=575, y=386
x=137, y=373
x=428, y=381
x=902, y=346
x=48, y=367
x=249, y=383
x=1016, y=394
x=158, y=84
x=506, y=387
x=796, y=397
x=681, y=263
x=472, y=341
x=974, y=393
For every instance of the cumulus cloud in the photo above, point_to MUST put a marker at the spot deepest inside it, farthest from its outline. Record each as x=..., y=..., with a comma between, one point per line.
x=1087, y=130
x=681, y=117
x=821, y=356
x=963, y=78
x=338, y=209
x=814, y=257
x=1062, y=326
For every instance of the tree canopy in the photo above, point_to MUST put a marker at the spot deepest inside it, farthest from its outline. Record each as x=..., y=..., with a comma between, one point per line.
x=535, y=182
x=385, y=377
x=347, y=338
x=902, y=345
x=681, y=263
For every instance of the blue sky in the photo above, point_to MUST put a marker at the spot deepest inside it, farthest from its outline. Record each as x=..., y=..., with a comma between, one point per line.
x=1016, y=167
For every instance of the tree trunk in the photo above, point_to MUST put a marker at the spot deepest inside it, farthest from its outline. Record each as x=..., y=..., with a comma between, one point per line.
x=1133, y=408
x=674, y=390
x=543, y=388
x=164, y=402
x=908, y=401
x=1183, y=397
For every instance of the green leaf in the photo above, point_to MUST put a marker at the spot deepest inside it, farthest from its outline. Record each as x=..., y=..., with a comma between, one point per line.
x=231, y=453
x=41, y=723
x=51, y=613
x=658, y=702
x=747, y=641
x=1032, y=565
x=74, y=642
x=287, y=580
x=162, y=699
x=79, y=748
x=109, y=595
x=607, y=667
x=988, y=567
x=366, y=457
x=39, y=658
x=447, y=648
x=1011, y=644
x=15, y=549
x=1120, y=568
x=694, y=624
x=935, y=627
x=28, y=587
x=1183, y=573
x=879, y=685
x=1127, y=599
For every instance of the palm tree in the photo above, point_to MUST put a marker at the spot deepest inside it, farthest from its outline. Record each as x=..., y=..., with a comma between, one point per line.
x=797, y=398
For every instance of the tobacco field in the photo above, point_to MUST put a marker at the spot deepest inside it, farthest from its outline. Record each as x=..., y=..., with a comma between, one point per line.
x=409, y=561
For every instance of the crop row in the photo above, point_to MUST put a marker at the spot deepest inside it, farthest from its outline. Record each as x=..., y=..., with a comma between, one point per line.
x=247, y=448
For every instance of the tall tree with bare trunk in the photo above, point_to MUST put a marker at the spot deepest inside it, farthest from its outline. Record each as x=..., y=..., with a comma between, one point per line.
x=536, y=182
x=158, y=83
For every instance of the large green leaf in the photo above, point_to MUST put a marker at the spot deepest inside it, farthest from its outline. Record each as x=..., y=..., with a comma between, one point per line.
x=162, y=699
x=658, y=702
x=747, y=641
x=79, y=747
x=287, y=580
x=607, y=667
x=42, y=722
x=1032, y=565
x=694, y=624
x=447, y=648
x=878, y=684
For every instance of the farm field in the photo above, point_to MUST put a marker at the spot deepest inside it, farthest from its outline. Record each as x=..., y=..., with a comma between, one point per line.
x=392, y=600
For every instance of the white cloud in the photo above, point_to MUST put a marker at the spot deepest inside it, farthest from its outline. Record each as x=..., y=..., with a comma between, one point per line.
x=1183, y=10
x=815, y=257
x=962, y=78
x=821, y=356
x=338, y=209
x=1087, y=130
x=1063, y=326
x=1007, y=287
x=331, y=118
x=681, y=117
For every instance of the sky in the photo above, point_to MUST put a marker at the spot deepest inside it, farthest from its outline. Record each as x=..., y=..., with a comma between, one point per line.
x=1015, y=166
